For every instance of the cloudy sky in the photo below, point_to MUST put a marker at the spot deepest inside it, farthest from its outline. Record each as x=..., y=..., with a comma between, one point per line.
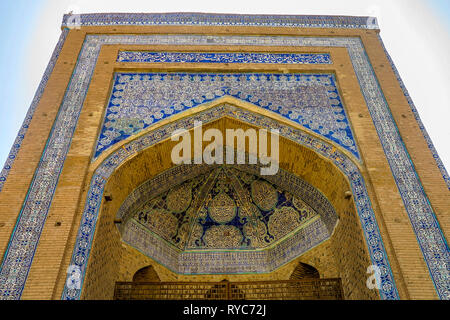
x=415, y=32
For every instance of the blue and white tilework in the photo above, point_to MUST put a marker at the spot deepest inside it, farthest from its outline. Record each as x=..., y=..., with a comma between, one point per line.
x=139, y=100
x=223, y=57
x=18, y=258
x=207, y=19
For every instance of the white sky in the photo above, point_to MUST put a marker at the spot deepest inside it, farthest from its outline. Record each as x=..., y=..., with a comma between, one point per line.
x=416, y=36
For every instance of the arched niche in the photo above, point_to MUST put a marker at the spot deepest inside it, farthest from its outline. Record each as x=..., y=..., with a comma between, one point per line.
x=304, y=271
x=318, y=163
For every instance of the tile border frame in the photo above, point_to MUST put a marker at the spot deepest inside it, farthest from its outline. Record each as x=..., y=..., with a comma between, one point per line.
x=218, y=19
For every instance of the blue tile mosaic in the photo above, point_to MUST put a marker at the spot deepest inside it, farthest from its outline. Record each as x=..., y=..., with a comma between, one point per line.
x=231, y=208
x=139, y=100
x=223, y=57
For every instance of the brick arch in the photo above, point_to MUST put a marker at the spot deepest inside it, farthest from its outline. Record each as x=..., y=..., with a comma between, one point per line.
x=304, y=271
x=305, y=155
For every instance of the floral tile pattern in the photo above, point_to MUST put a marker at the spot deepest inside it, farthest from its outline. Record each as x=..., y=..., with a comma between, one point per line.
x=138, y=100
x=19, y=256
x=215, y=261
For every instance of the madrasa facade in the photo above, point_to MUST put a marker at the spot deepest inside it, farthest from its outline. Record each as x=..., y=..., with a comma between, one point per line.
x=93, y=205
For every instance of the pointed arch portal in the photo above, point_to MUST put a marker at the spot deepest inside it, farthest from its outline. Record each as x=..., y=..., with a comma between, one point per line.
x=116, y=168
x=133, y=149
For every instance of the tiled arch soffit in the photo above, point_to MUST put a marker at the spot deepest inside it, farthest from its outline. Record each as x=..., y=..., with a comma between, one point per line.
x=18, y=258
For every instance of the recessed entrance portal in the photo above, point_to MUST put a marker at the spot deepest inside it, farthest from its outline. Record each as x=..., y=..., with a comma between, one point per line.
x=304, y=284
x=227, y=222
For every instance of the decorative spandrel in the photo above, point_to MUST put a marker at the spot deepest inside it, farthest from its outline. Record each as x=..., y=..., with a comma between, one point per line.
x=139, y=100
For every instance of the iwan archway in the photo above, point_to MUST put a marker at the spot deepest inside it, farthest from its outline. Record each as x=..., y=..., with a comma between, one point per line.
x=349, y=247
